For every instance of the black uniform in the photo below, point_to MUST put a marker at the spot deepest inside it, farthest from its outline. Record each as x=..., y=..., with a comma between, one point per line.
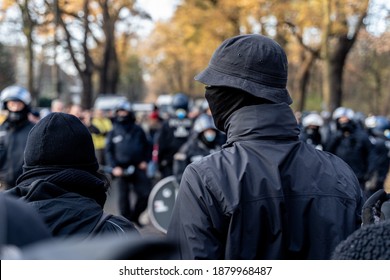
x=13, y=137
x=173, y=134
x=193, y=150
x=127, y=146
x=379, y=164
x=311, y=136
x=354, y=147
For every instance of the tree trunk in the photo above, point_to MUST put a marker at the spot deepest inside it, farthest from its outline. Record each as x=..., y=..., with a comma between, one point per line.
x=326, y=91
x=30, y=67
x=302, y=78
x=86, y=97
x=28, y=26
x=85, y=71
x=109, y=73
x=336, y=49
x=341, y=49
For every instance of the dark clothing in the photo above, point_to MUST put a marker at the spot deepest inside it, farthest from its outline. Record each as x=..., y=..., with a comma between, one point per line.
x=127, y=145
x=370, y=242
x=311, y=136
x=140, y=184
x=13, y=138
x=222, y=108
x=379, y=164
x=20, y=224
x=193, y=150
x=69, y=200
x=354, y=148
x=265, y=195
x=173, y=134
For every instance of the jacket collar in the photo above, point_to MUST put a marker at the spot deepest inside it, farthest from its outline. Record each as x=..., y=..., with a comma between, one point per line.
x=265, y=121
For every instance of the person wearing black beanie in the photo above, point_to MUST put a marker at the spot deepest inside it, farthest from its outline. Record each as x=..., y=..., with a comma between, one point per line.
x=61, y=180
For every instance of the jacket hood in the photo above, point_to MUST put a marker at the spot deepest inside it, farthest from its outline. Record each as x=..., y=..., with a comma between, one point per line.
x=264, y=121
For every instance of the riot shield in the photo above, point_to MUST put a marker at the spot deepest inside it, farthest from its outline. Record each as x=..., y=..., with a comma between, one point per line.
x=161, y=201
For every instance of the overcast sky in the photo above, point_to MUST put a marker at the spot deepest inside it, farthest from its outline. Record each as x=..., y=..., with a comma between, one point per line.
x=159, y=9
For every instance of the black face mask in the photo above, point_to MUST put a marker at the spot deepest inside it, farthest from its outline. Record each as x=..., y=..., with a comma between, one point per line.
x=18, y=117
x=314, y=134
x=126, y=119
x=346, y=127
x=223, y=101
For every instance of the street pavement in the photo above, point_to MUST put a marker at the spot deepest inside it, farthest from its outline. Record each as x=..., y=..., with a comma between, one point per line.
x=111, y=206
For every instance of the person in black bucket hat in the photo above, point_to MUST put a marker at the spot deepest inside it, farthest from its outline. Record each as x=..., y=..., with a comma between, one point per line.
x=254, y=64
x=265, y=195
x=61, y=181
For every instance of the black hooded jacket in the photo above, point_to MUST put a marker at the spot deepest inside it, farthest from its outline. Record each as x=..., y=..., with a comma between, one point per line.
x=69, y=200
x=265, y=195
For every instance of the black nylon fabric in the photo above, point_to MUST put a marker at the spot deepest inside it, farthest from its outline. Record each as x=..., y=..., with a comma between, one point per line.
x=265, y=195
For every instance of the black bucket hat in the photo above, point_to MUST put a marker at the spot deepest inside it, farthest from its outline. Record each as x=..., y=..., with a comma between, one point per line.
x=253, y=63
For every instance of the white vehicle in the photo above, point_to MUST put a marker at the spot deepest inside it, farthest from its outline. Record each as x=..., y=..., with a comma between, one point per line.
x=109, y=102
x=164, y=104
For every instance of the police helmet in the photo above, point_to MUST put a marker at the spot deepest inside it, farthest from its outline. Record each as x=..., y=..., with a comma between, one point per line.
x=343, y=112
x=359, y=117
x=378, y=125
x=312, y=119
x=203, y=122
x=180, y=101
x=15, y=93
x=125, y=106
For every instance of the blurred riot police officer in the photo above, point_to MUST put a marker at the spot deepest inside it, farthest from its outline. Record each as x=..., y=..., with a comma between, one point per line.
x=310, y=133
x=378, y=128
x=203, y=141
x=13, y=133
x=127, y=153
x=350, y=143
x=174, y=133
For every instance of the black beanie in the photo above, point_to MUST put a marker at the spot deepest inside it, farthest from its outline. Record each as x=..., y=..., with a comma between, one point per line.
x=60, y=140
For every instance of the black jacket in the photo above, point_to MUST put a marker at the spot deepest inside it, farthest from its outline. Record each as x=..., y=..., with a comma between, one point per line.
x=354, y=148
x=173, y=134
x=265, y=195
x=126, y=145
x=13, y=140
x=70, y=201
x=379, y=158
x=194, y=149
